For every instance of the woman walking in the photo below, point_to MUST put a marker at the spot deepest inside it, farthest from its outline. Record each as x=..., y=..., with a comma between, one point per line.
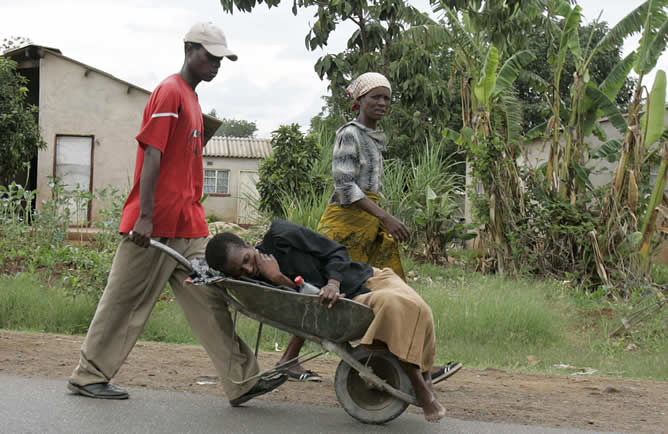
x=353, y=216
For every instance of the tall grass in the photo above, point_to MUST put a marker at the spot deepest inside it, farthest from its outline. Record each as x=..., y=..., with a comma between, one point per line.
x=533, y=325
x=425, y=194
x=27, y=303
x=306, y=209
x=481, y=321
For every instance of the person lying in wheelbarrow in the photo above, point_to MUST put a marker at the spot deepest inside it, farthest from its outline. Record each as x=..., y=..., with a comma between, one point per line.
x=402, y=321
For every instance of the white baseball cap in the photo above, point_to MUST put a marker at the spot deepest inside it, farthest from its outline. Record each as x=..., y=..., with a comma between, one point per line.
x=212, y=38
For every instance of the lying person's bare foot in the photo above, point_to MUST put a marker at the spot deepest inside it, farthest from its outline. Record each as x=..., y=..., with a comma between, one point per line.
x=433, y=411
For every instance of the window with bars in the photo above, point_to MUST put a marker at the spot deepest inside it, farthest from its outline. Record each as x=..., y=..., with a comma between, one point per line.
x=216, y=181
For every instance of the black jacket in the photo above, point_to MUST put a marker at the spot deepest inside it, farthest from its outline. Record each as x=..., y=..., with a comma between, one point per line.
x=303, y=252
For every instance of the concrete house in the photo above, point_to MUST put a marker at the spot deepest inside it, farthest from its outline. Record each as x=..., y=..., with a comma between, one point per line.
x=603, y=170
x=230, y=174
x=89, y=120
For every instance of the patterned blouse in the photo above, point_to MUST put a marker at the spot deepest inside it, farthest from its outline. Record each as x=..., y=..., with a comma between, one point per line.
x=357, y=163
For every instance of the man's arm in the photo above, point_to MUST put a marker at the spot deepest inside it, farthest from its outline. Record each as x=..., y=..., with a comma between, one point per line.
x=143, y=228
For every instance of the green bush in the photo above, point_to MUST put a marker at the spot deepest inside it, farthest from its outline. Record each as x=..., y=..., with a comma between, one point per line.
x=288, y=170
x=19, y=132
x=35, y=240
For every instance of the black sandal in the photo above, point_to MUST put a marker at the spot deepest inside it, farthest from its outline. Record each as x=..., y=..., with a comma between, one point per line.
x=446, y=371
x=304, y=376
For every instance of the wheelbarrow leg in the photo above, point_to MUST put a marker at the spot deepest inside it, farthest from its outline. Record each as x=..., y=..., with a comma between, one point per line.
x=257, y=342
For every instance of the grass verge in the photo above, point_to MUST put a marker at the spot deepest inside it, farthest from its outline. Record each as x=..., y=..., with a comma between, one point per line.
x=483, y=321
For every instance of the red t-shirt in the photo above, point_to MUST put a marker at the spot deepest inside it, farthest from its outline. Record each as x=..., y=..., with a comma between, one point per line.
x=172, y=124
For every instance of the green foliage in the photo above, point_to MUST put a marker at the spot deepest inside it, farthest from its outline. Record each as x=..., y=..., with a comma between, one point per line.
x=234, y=127
x=537, y=78
x=19, y=132
x=652, y=122
x=307, y=208
x=288, y=170
x=30, y=303
x=426, y=195
x=552, y=237
x=423, y=102
x=36, y=240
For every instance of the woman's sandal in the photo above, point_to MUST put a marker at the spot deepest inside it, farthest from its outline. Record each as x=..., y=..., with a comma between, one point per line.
x=445, y=371
x=303, y=376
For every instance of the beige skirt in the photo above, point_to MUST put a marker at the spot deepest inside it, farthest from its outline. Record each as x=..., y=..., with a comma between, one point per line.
x=403, y=321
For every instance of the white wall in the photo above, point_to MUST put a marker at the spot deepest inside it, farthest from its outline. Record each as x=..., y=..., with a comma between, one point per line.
x=72, y=103
x=225, y=207
x=603, y=171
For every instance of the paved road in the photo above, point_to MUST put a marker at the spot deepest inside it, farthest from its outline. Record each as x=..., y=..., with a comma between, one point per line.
x=41, y=405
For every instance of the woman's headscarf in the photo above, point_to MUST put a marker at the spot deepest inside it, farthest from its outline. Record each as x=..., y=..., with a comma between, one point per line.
x=364, y=84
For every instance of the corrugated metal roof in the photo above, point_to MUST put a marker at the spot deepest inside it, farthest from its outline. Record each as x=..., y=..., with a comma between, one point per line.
x=237, y=147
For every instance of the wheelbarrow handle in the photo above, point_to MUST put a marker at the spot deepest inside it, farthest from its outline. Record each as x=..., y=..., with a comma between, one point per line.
x=173, y=253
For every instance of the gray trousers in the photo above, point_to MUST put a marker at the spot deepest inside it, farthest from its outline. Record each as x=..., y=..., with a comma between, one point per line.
x=135, y=282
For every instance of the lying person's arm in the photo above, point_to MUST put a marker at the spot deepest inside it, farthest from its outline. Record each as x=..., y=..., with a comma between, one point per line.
x=334, y=255
x=269, y=269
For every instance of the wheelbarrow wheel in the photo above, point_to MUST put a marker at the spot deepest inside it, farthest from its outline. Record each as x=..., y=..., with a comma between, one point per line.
x=363, y=402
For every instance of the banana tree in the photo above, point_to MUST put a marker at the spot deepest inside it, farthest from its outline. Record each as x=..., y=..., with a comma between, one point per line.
x=491, y=123
x=645, y=125
x=653, y=129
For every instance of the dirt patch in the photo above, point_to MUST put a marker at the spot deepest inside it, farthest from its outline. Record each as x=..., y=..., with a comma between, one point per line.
x=585, y=402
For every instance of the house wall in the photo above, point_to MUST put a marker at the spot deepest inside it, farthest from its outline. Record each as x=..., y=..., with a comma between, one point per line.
x=603, y=171
x=75, y=103
x=226, y=207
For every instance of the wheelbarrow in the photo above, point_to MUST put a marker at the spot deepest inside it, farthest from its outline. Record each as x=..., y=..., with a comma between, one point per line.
x=370, y=385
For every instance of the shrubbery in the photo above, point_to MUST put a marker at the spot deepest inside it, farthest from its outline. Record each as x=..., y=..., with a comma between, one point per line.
x=36, y=240
x=288, y=170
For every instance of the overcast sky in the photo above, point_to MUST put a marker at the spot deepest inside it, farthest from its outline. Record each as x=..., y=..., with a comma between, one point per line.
x=272, y=83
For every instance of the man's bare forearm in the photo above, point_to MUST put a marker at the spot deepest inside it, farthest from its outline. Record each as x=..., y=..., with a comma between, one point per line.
x=149, y=181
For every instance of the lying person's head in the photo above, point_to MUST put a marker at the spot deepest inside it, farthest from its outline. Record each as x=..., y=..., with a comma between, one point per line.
x=232, y=256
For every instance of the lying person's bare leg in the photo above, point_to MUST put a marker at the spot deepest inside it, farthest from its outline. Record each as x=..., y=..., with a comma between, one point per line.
x=296, y=371
x=433, y=410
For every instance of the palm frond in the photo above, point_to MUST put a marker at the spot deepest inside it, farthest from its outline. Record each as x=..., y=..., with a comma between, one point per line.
x=461, y=36
x=568, y=35
x=654, y=21
x=617, y=76
x=535, y=132
x=512, y=110
x=511, y=69
x=630, y=24
x=558, y=7
x=608, y=150
x=426, y=35
x=599, y=101
x=650, y=52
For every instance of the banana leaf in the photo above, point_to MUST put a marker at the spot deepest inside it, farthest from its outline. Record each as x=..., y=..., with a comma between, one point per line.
x=483, y=89
x=511, y=69
x=652, y=122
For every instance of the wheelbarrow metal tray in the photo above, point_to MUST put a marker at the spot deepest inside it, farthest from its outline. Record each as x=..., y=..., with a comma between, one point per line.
x=345, y=321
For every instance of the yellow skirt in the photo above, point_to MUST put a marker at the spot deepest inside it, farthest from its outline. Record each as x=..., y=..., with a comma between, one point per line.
x=403, y=320
x=363, y=235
